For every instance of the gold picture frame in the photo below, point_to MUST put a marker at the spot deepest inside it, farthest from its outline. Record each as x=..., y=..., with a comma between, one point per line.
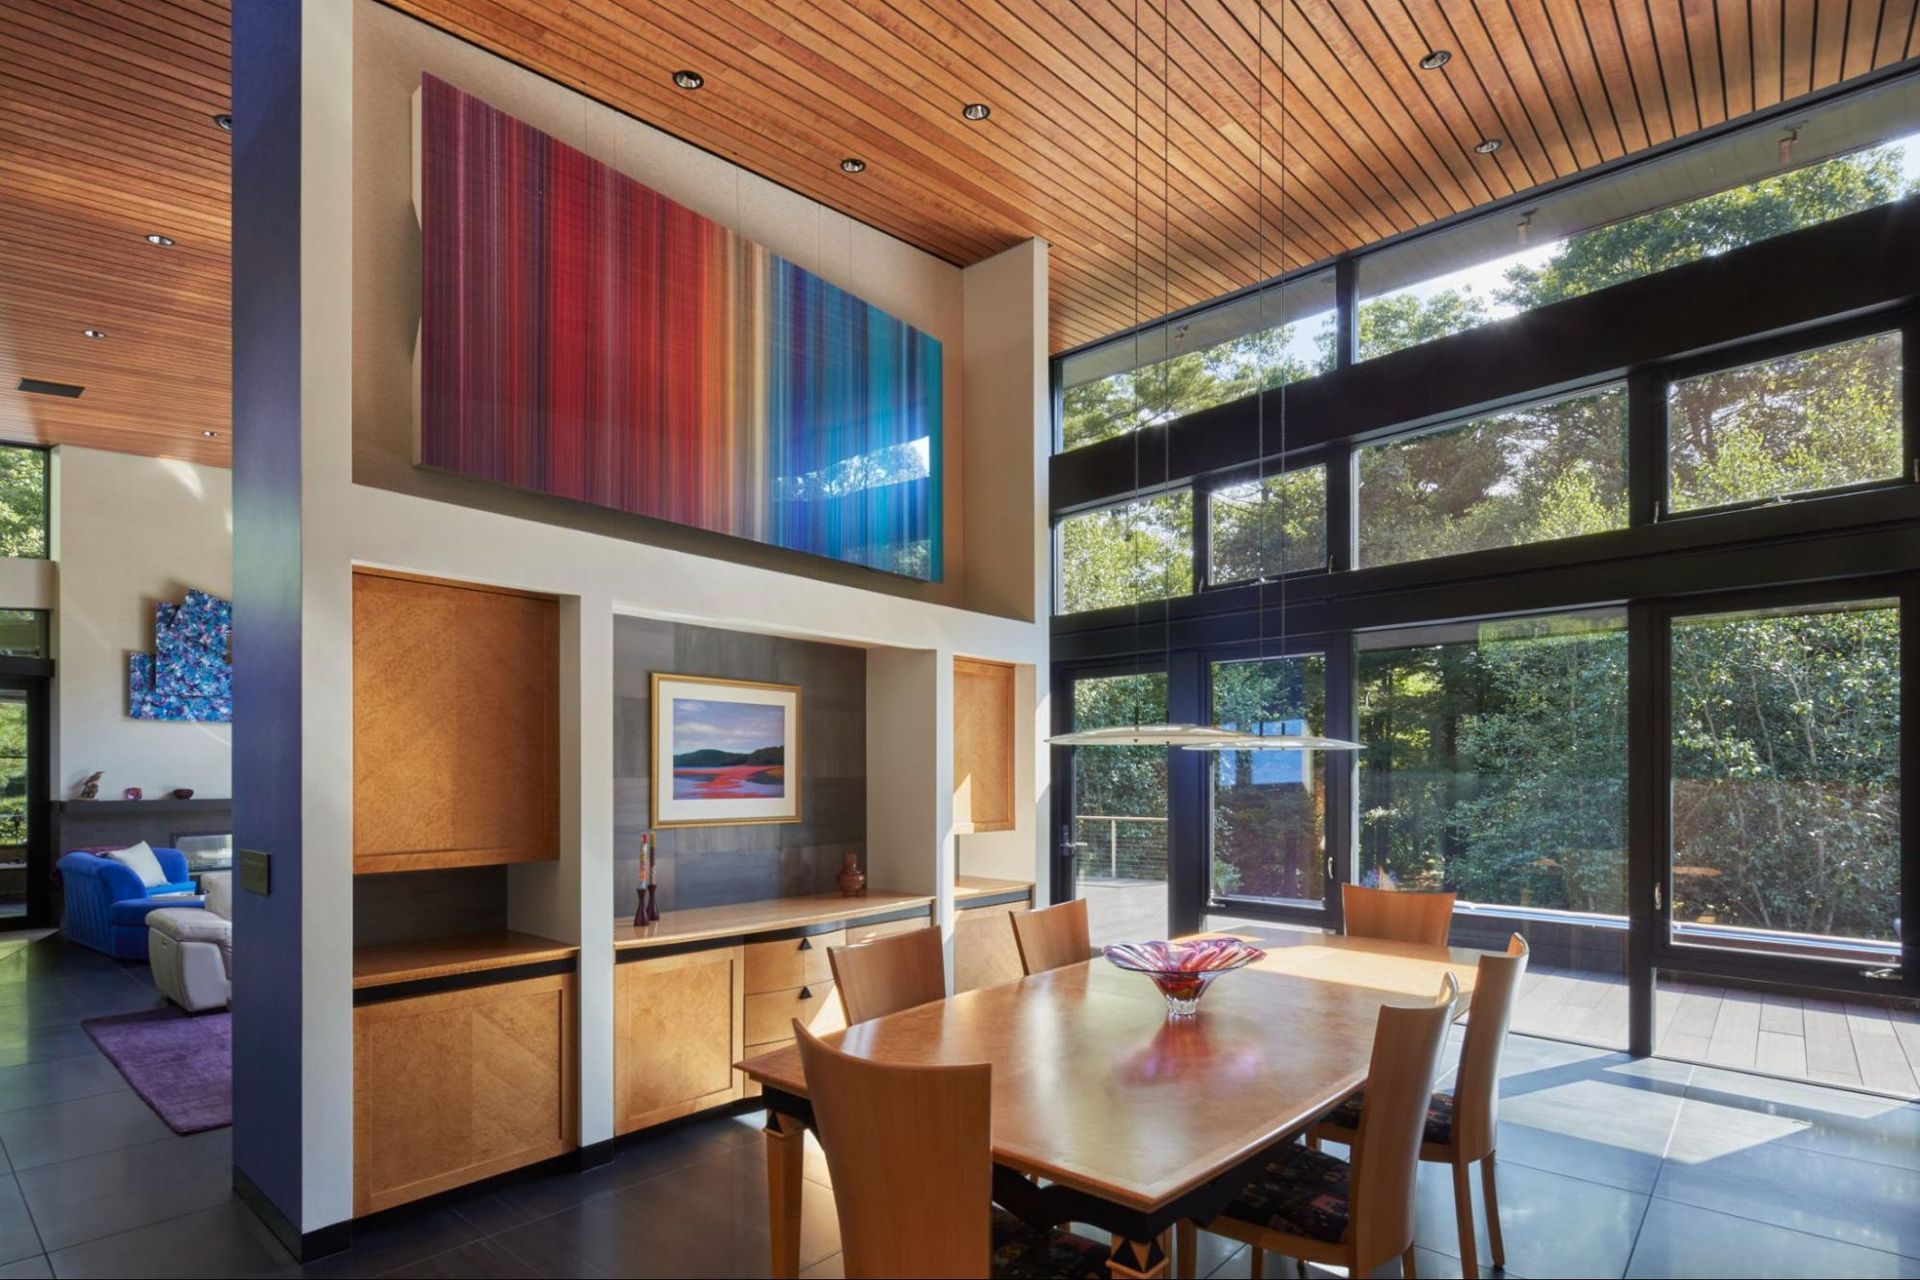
x=729, y=781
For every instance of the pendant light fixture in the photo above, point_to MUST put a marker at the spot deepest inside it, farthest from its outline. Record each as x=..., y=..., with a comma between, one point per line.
x=1259, y=739
x=1195, y=737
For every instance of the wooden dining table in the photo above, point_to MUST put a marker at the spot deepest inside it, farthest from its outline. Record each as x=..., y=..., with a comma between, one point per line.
x=1106, y=1111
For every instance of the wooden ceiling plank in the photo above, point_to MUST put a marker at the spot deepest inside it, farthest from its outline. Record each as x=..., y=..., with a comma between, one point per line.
x=1667, y=26
x=1328, y=66
x=1896, y=22
x=1522, y=159
x=1546, y=22
x=1699, y=35
x=98, y=57
x=1829, y=42
x=757, y=145
x=1736, y=57
x=1436, y=159
x=1600, y=30
x=203, y=56
x=1541, y=79
x=1796, y=26
x=1863, y=37
x=1768, y=71
x=1391, y=41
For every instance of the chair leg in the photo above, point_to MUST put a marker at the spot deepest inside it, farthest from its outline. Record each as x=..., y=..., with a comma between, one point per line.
x=1313, y=1142
x=1463, y=1210
x=1256, y=1262
x=1186, y=1238
x=1406, y=1264
x=1493, y=1211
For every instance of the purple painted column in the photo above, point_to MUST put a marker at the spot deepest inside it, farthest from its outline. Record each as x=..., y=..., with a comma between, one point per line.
x=267, y=1131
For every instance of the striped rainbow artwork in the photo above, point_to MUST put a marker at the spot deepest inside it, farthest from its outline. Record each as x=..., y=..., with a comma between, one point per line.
x=584, y=336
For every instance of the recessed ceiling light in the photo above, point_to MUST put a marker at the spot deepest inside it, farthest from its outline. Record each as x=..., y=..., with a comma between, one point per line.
x=1436, y=59
x=93, y=333
x=1487, y=146
x=976, y=111
x=853, y=164
x=224, y=121
x=154, y=237
x=211, y=435
x=688, y=79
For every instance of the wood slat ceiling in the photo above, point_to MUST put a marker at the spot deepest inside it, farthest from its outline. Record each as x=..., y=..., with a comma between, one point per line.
x=1277, y=134
x=106, y=134
x=1323, y=98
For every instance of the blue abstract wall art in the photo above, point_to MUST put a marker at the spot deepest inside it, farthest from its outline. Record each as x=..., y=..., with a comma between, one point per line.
x=189, y=674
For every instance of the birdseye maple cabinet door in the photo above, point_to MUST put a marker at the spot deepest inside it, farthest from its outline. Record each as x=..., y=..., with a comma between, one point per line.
x=459, y=1086
x=983, y=694
x=456, y=725
x=677, y=1031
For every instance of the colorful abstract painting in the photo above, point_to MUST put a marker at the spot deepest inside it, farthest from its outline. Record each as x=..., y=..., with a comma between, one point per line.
x=724, y=751
x=584, y=336
x=189, y=674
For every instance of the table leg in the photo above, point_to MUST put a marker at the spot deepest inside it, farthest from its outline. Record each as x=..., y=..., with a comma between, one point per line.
x=786, y=1159
x=1140, y=1259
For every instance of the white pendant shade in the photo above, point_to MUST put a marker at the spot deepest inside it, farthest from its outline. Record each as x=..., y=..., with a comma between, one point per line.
x=1142, y=735
x=1275, y=742
x=1197, y=737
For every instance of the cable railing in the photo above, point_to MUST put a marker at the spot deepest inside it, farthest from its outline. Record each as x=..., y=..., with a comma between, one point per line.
x=1136, y=854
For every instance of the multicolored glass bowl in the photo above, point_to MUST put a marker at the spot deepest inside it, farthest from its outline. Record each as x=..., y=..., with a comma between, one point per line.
x=1184, y=970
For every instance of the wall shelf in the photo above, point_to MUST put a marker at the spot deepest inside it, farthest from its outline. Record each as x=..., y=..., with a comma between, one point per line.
x=116, y=808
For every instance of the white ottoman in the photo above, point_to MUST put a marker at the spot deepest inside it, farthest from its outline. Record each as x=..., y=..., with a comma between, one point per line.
x=191, y=948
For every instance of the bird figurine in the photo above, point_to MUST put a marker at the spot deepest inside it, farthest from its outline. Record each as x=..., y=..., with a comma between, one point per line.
x=90, y=789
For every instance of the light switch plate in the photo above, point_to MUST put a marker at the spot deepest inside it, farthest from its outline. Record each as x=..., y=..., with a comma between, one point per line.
x=255, y=871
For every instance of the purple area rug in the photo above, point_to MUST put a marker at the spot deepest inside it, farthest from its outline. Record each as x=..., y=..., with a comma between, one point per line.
x=181, y=1065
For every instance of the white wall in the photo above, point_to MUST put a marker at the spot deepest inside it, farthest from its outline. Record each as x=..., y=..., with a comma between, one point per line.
x=350, y=519
x=129, y=533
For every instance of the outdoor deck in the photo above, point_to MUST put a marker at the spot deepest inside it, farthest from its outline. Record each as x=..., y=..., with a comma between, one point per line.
x=1863, y=1044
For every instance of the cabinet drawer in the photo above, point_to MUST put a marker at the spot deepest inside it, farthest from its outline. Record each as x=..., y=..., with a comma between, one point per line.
x=791, y=962
x=770, y=1014
x=857, y=933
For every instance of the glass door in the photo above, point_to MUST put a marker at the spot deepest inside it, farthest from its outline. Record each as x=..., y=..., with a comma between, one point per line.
x=1783, y=851
x=1115, y=839
x=1268, y=814
x=24, y=865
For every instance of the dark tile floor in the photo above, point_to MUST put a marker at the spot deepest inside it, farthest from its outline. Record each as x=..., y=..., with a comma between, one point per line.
x=1609, y=1167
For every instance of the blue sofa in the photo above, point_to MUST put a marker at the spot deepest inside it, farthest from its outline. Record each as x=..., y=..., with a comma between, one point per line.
x=106, y=905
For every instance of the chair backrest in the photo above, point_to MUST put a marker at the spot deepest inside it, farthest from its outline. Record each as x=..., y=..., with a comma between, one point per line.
x=1052, y=936
x=218, y=888
x=1476, y=1089
x=1386, y=1150
x=1396, y=916
x=889, y=974
x=909, y=1149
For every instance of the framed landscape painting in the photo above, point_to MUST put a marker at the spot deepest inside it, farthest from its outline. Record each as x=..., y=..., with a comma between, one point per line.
x=724, y=751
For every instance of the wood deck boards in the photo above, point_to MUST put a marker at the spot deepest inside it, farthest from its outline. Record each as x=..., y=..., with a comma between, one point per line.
x=1861, y=1043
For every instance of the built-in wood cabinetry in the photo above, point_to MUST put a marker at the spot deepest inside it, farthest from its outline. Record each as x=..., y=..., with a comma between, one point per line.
x=459, y=1085
x=706, y=988
x=983, y=699
x=984, y=953
x=456, y=740
x=677, y=1031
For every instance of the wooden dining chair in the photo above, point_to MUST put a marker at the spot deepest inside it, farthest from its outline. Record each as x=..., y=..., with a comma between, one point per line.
x=1462, y=1126
x=1052, y=936
x=1354, y=1213
x=1396, y=916
x=889, y=974
x=909, y=1150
